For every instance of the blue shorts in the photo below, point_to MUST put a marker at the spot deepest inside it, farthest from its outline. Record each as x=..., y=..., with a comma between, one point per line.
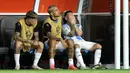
x=12, y=46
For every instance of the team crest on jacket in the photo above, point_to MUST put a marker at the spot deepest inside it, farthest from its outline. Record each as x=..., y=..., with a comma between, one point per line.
x=28, y=34
x=57, y=29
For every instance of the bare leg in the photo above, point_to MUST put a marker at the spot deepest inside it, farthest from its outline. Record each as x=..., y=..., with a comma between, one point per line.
x=18, y=47
x=38, y=54
x=70, y=54
x=52, y=45
x=70, y=48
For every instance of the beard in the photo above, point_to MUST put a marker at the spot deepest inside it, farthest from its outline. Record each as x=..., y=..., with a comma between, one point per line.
x=57, y=15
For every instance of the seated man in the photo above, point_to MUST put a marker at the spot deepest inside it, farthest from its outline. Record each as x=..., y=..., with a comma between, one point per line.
x=70, y=23
x=52, y=32
x=22, y=39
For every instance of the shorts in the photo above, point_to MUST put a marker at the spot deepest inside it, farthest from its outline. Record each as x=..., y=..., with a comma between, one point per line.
x=83, y=44
x=12, y=46
x=59, y=46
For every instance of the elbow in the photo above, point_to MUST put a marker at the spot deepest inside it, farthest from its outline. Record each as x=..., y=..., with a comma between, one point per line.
x=15, y=38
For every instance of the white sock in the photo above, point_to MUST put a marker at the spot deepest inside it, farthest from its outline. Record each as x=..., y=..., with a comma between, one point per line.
x=36, y=59
x=79, y=57
x=16, y=58
x=97, y=56
x=71, y=62
x=52, y=62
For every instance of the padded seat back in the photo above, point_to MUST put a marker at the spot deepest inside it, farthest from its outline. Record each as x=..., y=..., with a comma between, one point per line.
x=7, y=29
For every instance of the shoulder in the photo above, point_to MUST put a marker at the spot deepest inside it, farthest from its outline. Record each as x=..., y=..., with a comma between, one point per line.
x=47, y=20
x=47, y=25
x=21, y=20
x=18, y=24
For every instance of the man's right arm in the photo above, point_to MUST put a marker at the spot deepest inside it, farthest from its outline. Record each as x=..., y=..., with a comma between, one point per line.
x=47, y=32
x=17, y=33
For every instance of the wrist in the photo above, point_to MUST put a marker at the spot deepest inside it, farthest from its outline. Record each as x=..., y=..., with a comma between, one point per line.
x=30, y=41
x=61, y=39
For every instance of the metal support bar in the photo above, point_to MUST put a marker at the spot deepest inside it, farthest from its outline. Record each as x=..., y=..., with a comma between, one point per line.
x=117, y=34
x=36, y=5
x=125, y=35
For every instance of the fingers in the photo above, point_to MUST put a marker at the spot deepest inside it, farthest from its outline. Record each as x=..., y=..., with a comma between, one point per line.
x=36, y=43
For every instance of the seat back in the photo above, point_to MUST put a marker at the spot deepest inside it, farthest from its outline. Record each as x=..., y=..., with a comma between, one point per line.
x=1, y=43
x=7, y=29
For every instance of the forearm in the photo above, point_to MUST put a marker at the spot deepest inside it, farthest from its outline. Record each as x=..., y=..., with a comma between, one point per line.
x=50, y=36
x=78, y=31
x=72, y=31
x=22, y=40
x=36, y=38
x=73, y=28
x=18, y=38
x=36, y=34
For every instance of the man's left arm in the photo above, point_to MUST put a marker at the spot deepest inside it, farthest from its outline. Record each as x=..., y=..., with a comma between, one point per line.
x=36, y=33
x=36, y=36
x=78, y=29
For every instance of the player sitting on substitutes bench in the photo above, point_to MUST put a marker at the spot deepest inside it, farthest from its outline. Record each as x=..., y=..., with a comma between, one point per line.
x=75, y=35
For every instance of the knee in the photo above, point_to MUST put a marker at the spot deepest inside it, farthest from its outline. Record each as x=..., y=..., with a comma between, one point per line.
x=70, y=44
x=41, y=45
x=70, y=47
x=51, y=43
x=76, y=46
x=18, y=44
x=66, y=46
x=98, y=46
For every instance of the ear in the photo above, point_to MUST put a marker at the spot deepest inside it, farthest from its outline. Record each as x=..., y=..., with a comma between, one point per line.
x=51, y=14
x=65, y=18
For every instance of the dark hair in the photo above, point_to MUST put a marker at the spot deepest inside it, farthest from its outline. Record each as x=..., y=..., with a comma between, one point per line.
x=67, y=12
x=64, y=15
x=65, y=21
x=50, y=8
x=31, y=14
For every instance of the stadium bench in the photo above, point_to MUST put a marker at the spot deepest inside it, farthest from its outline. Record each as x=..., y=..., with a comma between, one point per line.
x=7, y=25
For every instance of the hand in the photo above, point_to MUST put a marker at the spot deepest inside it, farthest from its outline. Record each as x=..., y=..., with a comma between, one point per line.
x=30, y=41
x=27, y=46
x=72, y=20
x=71, y=34
x=35, y=43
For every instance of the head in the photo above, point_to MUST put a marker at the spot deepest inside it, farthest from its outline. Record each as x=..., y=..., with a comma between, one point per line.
x=31, y=17
x=53, y=11
x=68, y=15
